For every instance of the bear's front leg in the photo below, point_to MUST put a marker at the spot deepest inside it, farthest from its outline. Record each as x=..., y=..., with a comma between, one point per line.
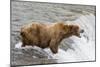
x=54, y=46
x=23, y=44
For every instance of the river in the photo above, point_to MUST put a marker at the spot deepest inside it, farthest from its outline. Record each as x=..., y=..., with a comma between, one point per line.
x=72, y=49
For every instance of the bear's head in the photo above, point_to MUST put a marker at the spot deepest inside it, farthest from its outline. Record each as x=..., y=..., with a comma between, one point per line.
x=71, y=30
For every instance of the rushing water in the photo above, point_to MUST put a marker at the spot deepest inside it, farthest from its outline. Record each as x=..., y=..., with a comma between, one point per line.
x=72, y=49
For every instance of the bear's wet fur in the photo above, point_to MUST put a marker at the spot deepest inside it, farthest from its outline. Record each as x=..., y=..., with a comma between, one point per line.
x=47, y=35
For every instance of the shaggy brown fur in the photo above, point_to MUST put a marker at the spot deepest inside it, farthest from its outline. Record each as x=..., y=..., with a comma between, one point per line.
x=47, y=35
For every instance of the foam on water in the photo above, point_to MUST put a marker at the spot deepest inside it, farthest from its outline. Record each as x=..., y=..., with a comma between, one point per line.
x=18, y=45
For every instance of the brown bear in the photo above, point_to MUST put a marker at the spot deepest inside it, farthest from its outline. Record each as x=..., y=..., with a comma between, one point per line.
x=47, y=35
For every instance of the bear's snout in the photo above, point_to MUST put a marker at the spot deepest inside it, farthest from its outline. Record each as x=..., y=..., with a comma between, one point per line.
x=78, y=34
x=82, y=31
